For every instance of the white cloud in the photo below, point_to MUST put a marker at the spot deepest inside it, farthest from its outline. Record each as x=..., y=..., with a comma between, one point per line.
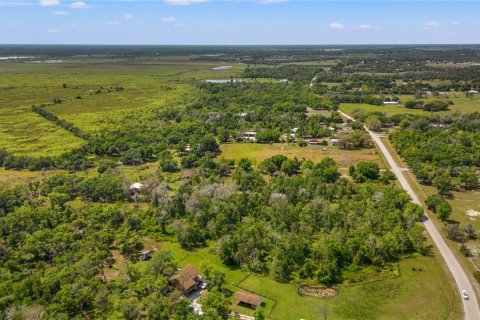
x=128, y=16
x=60, y=13
x=15, y=4
x=78, y=5
x=54, y=30
x=113, y=23
x=49, y=3
x=272, y=1
x=432, y=24
x=337, y=26
x=366, y=27
x=183, y=2
x=455, y=23
x=168, y=20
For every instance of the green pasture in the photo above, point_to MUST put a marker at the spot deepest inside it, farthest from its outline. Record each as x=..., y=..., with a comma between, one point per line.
x=460, y=104
x=147, y=82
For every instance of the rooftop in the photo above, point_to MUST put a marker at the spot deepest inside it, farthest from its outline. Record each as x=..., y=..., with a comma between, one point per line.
x=248, y=298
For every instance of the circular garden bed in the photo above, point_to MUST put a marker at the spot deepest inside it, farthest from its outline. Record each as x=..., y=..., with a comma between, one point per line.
x=317, y=291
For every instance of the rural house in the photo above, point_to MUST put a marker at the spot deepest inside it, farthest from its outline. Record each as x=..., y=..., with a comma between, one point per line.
x=187, y=175
x=250, y=136
x=136, y=188
x=248, y=299
x=187, y=279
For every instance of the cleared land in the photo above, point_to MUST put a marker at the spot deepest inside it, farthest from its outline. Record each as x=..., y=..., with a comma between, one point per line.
x=461, y=104
x=258, y=152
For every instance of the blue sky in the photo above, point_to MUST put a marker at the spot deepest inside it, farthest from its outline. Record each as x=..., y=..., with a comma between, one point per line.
x=238, y=22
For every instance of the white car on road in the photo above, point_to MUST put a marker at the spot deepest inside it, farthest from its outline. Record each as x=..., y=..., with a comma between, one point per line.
x=464, y=294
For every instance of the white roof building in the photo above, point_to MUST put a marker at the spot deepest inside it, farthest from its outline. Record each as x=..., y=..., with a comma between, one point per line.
x=136, y=186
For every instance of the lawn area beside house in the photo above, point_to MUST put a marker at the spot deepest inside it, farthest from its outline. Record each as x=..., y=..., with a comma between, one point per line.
x=409, y=296
x=203, y=256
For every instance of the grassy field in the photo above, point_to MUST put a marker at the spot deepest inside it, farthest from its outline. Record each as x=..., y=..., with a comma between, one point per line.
x=389, y=110
x=461, y=104
x=410, y=296
x=10, y=178
x=257, y=152
x=147, y=83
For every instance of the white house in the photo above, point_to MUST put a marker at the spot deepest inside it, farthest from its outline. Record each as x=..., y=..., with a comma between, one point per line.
x=390, y=103
x=250, y=136
x=136, y=187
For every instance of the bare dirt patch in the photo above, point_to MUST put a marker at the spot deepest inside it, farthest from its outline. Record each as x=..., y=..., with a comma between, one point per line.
x=317, y=292
x=222, y=68
x=117, y=269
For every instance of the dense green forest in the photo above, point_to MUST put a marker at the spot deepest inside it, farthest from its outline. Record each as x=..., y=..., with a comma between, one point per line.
x=448, y=159
x=309, y=225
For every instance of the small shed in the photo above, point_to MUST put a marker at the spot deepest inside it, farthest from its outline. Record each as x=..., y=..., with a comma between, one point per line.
x=248, y=299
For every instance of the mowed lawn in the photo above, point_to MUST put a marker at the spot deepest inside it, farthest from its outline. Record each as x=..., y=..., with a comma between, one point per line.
x=409, y=296
x=257, y=152
x=425, y=294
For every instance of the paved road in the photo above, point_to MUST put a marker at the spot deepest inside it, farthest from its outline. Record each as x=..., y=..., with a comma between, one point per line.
x=470, y=307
